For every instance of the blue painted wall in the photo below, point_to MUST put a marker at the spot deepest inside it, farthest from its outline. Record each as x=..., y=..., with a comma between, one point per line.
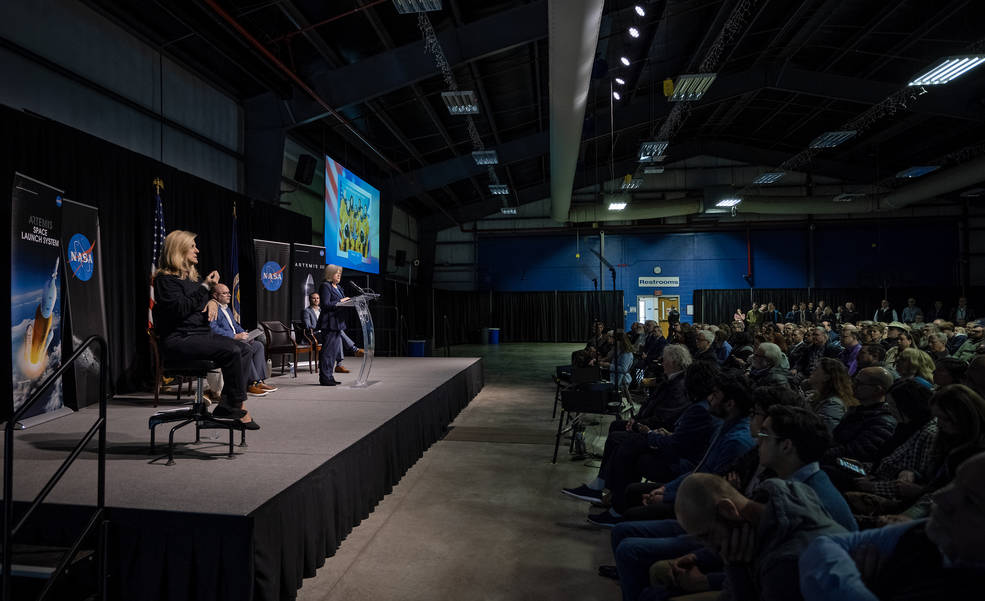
x=856, y=256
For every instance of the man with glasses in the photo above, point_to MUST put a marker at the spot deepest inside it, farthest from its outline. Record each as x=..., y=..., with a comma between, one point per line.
x=939, y=558
x=812, y=354
x=866, y=427
x=975, y=342
x=851, y=346
x=225, y=325
x=765, y=369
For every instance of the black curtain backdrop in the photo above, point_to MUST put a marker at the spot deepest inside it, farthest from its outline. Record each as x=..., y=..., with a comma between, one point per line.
x=718, y=306
x=118, y=182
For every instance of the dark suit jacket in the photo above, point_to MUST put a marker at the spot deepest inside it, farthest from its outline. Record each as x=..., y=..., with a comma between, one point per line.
x=331, y=316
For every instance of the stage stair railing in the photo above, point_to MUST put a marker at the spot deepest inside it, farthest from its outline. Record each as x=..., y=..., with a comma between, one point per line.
x=51, y=563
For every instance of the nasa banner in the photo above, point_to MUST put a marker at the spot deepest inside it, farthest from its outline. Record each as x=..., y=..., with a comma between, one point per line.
x=273, y=285
x=35, y=293
x=308, y=271
x=84, y=301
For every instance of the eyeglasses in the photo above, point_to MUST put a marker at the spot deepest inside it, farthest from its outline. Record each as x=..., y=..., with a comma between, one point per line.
x=762, y=434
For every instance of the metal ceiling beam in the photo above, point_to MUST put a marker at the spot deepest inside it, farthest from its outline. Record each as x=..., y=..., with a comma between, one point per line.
x=402, y=66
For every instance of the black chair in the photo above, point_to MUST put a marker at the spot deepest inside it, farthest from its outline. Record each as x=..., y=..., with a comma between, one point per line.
x=594, y=398
x=306, y=342
x=579, y=375
x=196, y=414
x=280, y=342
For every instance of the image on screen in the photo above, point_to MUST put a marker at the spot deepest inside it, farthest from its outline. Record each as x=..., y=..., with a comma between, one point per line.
x=352, y=220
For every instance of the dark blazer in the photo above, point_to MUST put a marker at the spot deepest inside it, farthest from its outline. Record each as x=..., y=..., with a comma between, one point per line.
x=862, y=432
x=331, y=316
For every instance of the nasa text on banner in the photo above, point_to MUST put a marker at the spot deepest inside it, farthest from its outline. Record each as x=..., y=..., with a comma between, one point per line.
x=308, y=269
x=84, y=301
x=35, y=292
x=273, y=280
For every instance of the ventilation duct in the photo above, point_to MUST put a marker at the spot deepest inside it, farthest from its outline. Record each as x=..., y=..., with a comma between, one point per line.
x=573, y=32
x=941, y=182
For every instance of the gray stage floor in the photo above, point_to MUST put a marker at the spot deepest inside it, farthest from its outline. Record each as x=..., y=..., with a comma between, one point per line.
x=303, y=425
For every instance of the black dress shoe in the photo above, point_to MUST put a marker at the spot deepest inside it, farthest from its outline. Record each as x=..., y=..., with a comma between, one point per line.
x=250, y=425
x=225, y=412
x=329, y=382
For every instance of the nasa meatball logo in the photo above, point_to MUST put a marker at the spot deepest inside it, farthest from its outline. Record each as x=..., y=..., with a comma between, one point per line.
x=80, y=257
x=272, y=275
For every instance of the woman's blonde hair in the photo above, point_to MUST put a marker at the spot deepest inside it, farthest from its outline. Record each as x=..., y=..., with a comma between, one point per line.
x=920, y=362
x=330, y=270
x=174, y=256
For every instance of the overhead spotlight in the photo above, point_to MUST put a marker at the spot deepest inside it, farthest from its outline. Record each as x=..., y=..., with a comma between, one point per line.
x=405, y=7
x=651, y=151
x=620, y=81
x=948, y=70
x=617, y=206
x=499, y=189
x=507, y=210
x=728, y=202
x=616, y=96
x=639, y=10
x=461, y=102
x=485, y=157
x=625, y=61
x=633, y=32
x=832, y=138
x=769, y=178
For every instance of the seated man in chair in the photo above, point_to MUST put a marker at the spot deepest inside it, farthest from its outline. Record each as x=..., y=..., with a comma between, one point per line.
x=225, y=325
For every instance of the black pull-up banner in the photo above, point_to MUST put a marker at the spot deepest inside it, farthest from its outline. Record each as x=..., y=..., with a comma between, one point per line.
x=309, y=270
x=273, y=280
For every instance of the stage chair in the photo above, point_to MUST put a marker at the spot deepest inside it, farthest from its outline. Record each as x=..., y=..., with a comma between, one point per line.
x=197, y=414
x=305, y=339
x=159, y=371
x=280, y=342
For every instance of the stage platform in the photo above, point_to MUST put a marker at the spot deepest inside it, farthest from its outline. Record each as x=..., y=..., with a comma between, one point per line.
x=250, y=527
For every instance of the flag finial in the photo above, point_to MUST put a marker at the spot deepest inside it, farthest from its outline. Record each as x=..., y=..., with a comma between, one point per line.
x=158, y=184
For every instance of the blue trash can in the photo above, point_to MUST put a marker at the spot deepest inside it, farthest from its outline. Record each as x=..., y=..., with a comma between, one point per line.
x=416, y=348
x=493, y=335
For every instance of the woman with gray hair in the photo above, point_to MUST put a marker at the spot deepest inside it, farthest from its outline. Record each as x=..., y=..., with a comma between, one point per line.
x=331, y=325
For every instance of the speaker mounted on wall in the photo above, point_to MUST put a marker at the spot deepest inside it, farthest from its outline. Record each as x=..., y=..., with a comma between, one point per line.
x=305, y=171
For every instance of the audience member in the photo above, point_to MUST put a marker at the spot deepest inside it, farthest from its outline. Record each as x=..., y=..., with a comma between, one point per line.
x=939, y=558
x=885, y=313
x=704, y=341
x=833, y=392
x=910, y=311
x=975, y=342
x=812, y=354
x=937, y=312
x=850, y=315
x=954, y=339
x=949, y=371
x=916, y=364
x=851, y=346
x=867, y=426
x=904, y=340
x=937, y=346
x=974, y=377
x=765, y=369
x=962, y=314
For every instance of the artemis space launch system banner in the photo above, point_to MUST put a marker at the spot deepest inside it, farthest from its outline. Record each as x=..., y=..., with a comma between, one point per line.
x=35, y=292
x=309, y=269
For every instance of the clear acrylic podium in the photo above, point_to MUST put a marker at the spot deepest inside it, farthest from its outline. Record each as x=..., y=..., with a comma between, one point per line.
x=361, y=303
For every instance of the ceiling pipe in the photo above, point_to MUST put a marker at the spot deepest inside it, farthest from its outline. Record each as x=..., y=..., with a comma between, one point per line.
x=573, y=33
x=943, y=182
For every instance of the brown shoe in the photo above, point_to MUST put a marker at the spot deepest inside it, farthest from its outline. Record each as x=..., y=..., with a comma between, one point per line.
x=211, y=397
x=266, y=386
x=360, y=352
x=341, y=370
x=256, y=391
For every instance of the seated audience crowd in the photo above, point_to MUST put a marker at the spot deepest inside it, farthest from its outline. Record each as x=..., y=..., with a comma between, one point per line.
x=812, y=454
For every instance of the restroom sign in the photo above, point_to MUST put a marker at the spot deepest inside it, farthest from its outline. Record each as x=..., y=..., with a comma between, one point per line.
x=660, y=282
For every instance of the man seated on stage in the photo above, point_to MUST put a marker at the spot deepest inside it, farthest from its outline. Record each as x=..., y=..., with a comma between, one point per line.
x=310, y=316
x=225, y=325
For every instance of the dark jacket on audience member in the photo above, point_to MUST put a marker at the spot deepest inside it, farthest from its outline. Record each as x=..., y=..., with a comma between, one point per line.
x=792, y=518
x=684, y=447
x=862, y=432
x=774, y=376
x=731, y=440
x=666, y=404
x=849, y=316
x=653, y=346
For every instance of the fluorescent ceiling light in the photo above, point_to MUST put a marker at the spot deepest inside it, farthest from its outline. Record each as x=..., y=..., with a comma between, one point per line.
x=634, y=32
x=728, y=202
x=617, y=206
x=973, y=193
x=692, y=86
x=917, y=171
x=650, y=151
x=848, y=197
x=508, y=210
x=652, y=170
x=639, y=10
x=769, y=178
x=461, y=102
x=616, y=96
x=485, y=157
x=632, y=184
x=948, y=70
x=833, y=138
x=620, y=81
x=499, y=189
x=405, y=7
x=624, y=60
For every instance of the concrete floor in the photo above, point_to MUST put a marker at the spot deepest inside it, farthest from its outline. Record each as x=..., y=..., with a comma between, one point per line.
x=481, y=517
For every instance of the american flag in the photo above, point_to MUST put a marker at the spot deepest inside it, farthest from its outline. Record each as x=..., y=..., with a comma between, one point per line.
x=158, y=236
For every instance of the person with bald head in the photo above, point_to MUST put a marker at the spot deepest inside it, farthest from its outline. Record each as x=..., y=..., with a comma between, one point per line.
x=867, y=426
x=937, y=558
x=759, y=540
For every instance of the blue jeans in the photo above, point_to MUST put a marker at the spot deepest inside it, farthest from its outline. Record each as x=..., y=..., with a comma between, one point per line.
x=638, y=545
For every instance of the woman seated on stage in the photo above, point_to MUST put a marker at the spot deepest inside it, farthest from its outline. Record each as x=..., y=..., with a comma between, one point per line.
x=182, y=311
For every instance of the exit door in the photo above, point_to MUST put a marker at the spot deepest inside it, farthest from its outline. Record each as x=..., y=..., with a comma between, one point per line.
x=657, y=308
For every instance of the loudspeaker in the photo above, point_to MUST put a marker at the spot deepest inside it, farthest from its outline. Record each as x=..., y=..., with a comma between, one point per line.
x=400, y=258
x=305, y=170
